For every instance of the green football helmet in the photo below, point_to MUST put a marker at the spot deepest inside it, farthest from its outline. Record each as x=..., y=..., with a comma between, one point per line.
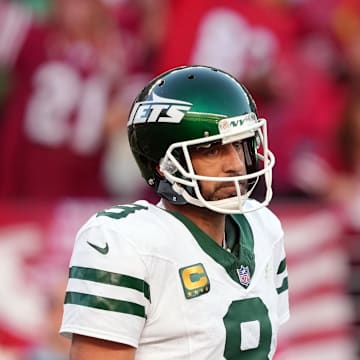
x=189, y=106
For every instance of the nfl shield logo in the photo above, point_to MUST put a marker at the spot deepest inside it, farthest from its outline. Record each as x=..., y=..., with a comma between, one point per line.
x=244, y=275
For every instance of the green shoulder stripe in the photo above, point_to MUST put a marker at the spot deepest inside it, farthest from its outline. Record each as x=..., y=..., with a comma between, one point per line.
x=281, y=267
x=284, y=286
x=106, y=277
x=104, y=303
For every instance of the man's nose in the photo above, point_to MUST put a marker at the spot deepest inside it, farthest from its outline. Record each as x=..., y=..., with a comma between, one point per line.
x=233, y=161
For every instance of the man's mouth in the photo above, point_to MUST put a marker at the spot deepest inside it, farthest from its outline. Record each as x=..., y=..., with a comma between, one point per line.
x=228, y=190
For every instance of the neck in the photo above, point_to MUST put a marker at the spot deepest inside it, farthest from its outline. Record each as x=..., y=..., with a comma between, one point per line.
x=212, y=223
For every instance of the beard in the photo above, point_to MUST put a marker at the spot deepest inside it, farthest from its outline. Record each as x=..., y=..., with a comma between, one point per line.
x=224, y=190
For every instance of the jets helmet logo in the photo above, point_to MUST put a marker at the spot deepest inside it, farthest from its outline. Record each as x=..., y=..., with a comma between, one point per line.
x=159, y=109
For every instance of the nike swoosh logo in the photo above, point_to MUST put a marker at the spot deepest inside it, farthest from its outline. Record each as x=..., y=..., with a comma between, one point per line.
x=101, y=250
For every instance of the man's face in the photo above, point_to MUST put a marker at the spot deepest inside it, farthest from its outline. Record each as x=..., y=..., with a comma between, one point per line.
x=216, y=159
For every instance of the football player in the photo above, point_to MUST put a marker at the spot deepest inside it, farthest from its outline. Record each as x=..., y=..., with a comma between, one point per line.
x=201, y=275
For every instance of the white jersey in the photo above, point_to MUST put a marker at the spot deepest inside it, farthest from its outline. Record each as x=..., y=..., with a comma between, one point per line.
x=150, y=278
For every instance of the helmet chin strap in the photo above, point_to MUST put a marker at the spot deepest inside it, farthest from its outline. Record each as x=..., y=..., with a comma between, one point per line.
x=189, y=199
x=165, y=190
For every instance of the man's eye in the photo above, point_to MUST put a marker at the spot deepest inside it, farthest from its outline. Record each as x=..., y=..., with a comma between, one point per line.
x=212, y=151
x=237, y=145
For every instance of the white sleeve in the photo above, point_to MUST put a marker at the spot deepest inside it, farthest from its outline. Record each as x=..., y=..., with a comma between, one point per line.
x=107, y=295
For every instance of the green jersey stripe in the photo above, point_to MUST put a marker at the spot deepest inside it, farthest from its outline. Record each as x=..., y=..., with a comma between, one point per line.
x=106, y=277
x=283, y=287
x=281, y=267
x=104, y=303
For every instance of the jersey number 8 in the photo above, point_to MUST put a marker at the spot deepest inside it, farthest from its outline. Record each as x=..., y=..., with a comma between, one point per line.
x=248, y=330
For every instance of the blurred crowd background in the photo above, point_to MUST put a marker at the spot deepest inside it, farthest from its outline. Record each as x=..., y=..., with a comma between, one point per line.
x=69, y=70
